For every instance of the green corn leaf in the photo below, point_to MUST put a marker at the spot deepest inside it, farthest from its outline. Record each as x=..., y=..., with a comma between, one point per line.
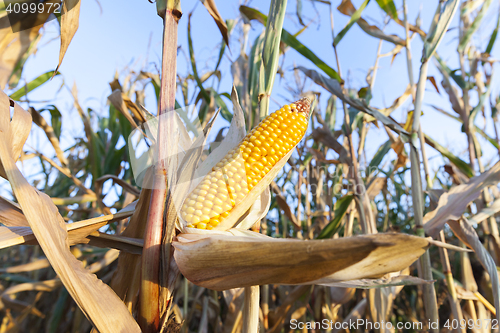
x=493, y=36
x=203, y=92
x=476, y=128
x=331, y=112
x=55, y=119
x=389, y=7
x=288, y=39
x=480, y=104
x=354, y=19
x=379, y=156
x=270, y=53
x=226, y=114
x=16, y=72
x=474, y=26
x=436, y=35
x=30, y=86
x=58, y=311
x=459, y=163
x=340, y=209
x=452, y=73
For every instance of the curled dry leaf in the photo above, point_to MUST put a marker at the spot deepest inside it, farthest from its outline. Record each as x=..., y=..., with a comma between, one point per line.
x=347, y=8
x=70, y=17
x=11, y=214
x=214, y=12
x=466, y=233
x=453, y=204
x=223, y=262
x=97, y=301
x=12, y=234
x=486, y=212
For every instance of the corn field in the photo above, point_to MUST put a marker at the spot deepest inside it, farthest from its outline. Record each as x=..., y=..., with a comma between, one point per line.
x=269, y=188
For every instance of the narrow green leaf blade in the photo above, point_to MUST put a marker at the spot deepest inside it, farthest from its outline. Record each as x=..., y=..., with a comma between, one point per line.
x=290, y=40
x=340, y=209
x=354, y=19
x=30, y=86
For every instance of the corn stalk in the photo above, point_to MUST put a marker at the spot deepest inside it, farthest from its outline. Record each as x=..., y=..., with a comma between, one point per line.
x=155, y=297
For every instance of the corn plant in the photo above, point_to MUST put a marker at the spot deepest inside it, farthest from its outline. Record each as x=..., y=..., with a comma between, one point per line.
x=282, y=219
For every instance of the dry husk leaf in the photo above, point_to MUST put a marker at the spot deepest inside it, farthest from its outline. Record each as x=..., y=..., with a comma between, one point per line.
x=453, y=204
x=11, y=234
x=97, y=301
x=223, y=262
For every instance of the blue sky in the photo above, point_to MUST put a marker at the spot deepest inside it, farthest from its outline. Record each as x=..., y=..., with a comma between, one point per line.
x=114, y=35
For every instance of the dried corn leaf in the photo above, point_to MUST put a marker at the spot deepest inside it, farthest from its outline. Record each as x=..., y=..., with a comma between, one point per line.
x=29, y=267
x=77, y=231
x=15, y=45
x=334, y=87
x=347, y=8
x=212, y=9
x=468, y=235
x=453, y=204
x=20, y=126
x=223, y=262
x=70, y=17
x=486, y=212
x=400, y=280
x=97, y=301
x=11, y=214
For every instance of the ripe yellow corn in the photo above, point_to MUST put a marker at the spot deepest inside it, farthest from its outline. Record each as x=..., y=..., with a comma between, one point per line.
x=244, y=166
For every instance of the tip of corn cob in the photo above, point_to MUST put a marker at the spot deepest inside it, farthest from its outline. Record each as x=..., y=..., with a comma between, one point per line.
x=303, y=105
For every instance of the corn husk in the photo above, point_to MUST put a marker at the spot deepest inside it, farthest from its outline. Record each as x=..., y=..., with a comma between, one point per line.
x=223, y=261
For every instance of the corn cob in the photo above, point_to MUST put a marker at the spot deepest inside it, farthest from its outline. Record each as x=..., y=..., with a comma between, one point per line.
x=244, y=166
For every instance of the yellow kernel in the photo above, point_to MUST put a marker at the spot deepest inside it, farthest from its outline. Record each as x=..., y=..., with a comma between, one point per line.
x=245, y=155
x=225, y=214
x=257, y=142
x=198, y=205
x=253, y=138
x=212, y=191
x=250, y=160
x=227, y=206
x=189, y=210
x=196, y=219
x=201, y=226
x=217, y=209
x=204, y=218
x=197, y=212
x=210, y=227
x=200, y=198
x=189, y=217
x=255, y=156
x=210, y=197
x=206, y=211
x=218, y=202
x=258, y=165
x=190, y=225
